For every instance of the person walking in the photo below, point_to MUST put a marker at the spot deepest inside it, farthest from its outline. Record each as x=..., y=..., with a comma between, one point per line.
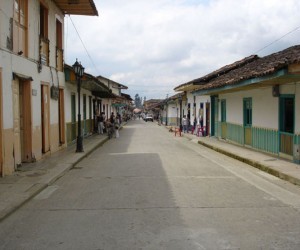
x=117, y=125
x=112, y=121
x=184, y=124
x=195, y=126
x=97, y=118
x=101, y=120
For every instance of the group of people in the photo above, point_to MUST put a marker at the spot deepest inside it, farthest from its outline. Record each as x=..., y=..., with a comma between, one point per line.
x=197, y=123
x=109, y=125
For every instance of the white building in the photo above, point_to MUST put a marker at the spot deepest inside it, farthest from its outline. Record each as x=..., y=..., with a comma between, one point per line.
x=32, y=81
x=257, y=103
x=91, y=92
x=195, y=106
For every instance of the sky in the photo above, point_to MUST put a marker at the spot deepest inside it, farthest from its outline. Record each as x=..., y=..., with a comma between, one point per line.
x=154, y=46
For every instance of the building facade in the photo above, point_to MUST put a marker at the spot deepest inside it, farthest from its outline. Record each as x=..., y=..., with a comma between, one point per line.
x=257, y=104
x=32, y=79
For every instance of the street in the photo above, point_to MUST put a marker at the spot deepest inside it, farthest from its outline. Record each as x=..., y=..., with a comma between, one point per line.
x=151, y=190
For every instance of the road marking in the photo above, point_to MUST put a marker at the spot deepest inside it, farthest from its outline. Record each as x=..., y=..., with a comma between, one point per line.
x=128, y=153
x=45, y=194
x=255, y=179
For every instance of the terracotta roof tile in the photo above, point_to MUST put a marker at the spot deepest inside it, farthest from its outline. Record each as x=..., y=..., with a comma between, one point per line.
x=257, y=68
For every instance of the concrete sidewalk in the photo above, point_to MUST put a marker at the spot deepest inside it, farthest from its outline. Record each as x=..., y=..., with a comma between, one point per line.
x=32, y=178
x=271, y=164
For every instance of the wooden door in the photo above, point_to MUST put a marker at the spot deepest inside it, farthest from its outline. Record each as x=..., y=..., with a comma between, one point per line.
x=84, y=116
x=247, y=105
x=25, y=121
x=16, y=123
x=73, y=117
x=45, y=118
x=61, y=110
x=22, y=121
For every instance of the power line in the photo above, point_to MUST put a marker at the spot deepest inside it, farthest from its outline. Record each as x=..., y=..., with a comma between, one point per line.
x=83, y=44
x=277, y=39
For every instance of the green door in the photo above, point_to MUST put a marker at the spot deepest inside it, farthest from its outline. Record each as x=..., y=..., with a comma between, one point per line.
x=223, y=120
x=84, y=116
x=286, y=123
x=247, y=121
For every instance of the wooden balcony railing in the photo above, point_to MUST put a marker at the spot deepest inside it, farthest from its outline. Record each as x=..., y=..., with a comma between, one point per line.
x=44, y=51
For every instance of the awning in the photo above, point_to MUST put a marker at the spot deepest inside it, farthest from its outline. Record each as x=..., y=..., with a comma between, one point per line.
x=77, y=7
x=118, y=105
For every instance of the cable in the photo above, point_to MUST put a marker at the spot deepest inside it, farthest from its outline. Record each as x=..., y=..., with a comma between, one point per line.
x=83, y=44
x=277, y=39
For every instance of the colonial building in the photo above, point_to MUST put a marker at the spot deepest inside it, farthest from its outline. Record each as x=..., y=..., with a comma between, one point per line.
x=91, y=89
x=257, y=104
x=114, y=102
x=32, y=81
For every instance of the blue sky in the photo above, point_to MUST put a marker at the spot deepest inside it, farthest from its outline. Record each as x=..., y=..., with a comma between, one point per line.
x=154, y=46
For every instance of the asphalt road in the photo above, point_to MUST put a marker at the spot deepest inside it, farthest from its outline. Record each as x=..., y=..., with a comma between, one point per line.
x=151, y=190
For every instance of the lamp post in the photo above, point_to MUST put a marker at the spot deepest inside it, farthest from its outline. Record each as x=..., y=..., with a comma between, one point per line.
x=79, y=70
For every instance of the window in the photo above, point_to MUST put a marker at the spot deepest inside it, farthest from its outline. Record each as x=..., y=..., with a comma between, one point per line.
x=59, y=46
x=223, y=110
x=44, y=41
x=43, y=21
x=20, y=27
x=248, y=112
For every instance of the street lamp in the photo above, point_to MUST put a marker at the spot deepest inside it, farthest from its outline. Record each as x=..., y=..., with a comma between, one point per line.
x=79, y=70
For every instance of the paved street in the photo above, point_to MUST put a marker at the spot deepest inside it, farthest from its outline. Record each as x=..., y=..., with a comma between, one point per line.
x=151, y=190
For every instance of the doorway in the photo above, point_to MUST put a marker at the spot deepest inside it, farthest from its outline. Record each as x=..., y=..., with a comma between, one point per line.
x=73, y=117
x=286, y=124
x=247, y=106
x=45, y=118
x=61, y=113
x=22, y=120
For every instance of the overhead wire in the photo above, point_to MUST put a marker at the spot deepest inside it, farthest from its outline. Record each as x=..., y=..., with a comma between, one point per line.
x=88, y=54
x=268, y=45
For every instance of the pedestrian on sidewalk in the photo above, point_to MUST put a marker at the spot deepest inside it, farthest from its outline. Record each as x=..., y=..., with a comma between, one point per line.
x=117, y=125
x=98, y=120
x=101, y=119
x=112, y=121
x=195, y=126
x=185, y=124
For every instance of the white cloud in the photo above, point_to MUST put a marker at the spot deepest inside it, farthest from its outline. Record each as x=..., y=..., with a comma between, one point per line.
x=153, y=46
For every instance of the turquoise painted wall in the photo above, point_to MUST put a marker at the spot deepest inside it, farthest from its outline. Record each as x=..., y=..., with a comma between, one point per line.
x=235, y=133
x=265, y=139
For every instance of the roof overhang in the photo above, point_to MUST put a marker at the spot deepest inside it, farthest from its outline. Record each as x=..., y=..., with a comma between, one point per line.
x=92, y=85
x=187, y=87
x=77, y=7
x=102, y=94
x=279, y=78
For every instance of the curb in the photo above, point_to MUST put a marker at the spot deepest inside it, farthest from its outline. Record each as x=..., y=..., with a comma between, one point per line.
x=255, y=164
x=39, y=187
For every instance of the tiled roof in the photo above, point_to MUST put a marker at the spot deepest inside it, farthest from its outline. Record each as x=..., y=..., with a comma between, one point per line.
x=219, y=72
x=261, y=67
x=226, y=69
